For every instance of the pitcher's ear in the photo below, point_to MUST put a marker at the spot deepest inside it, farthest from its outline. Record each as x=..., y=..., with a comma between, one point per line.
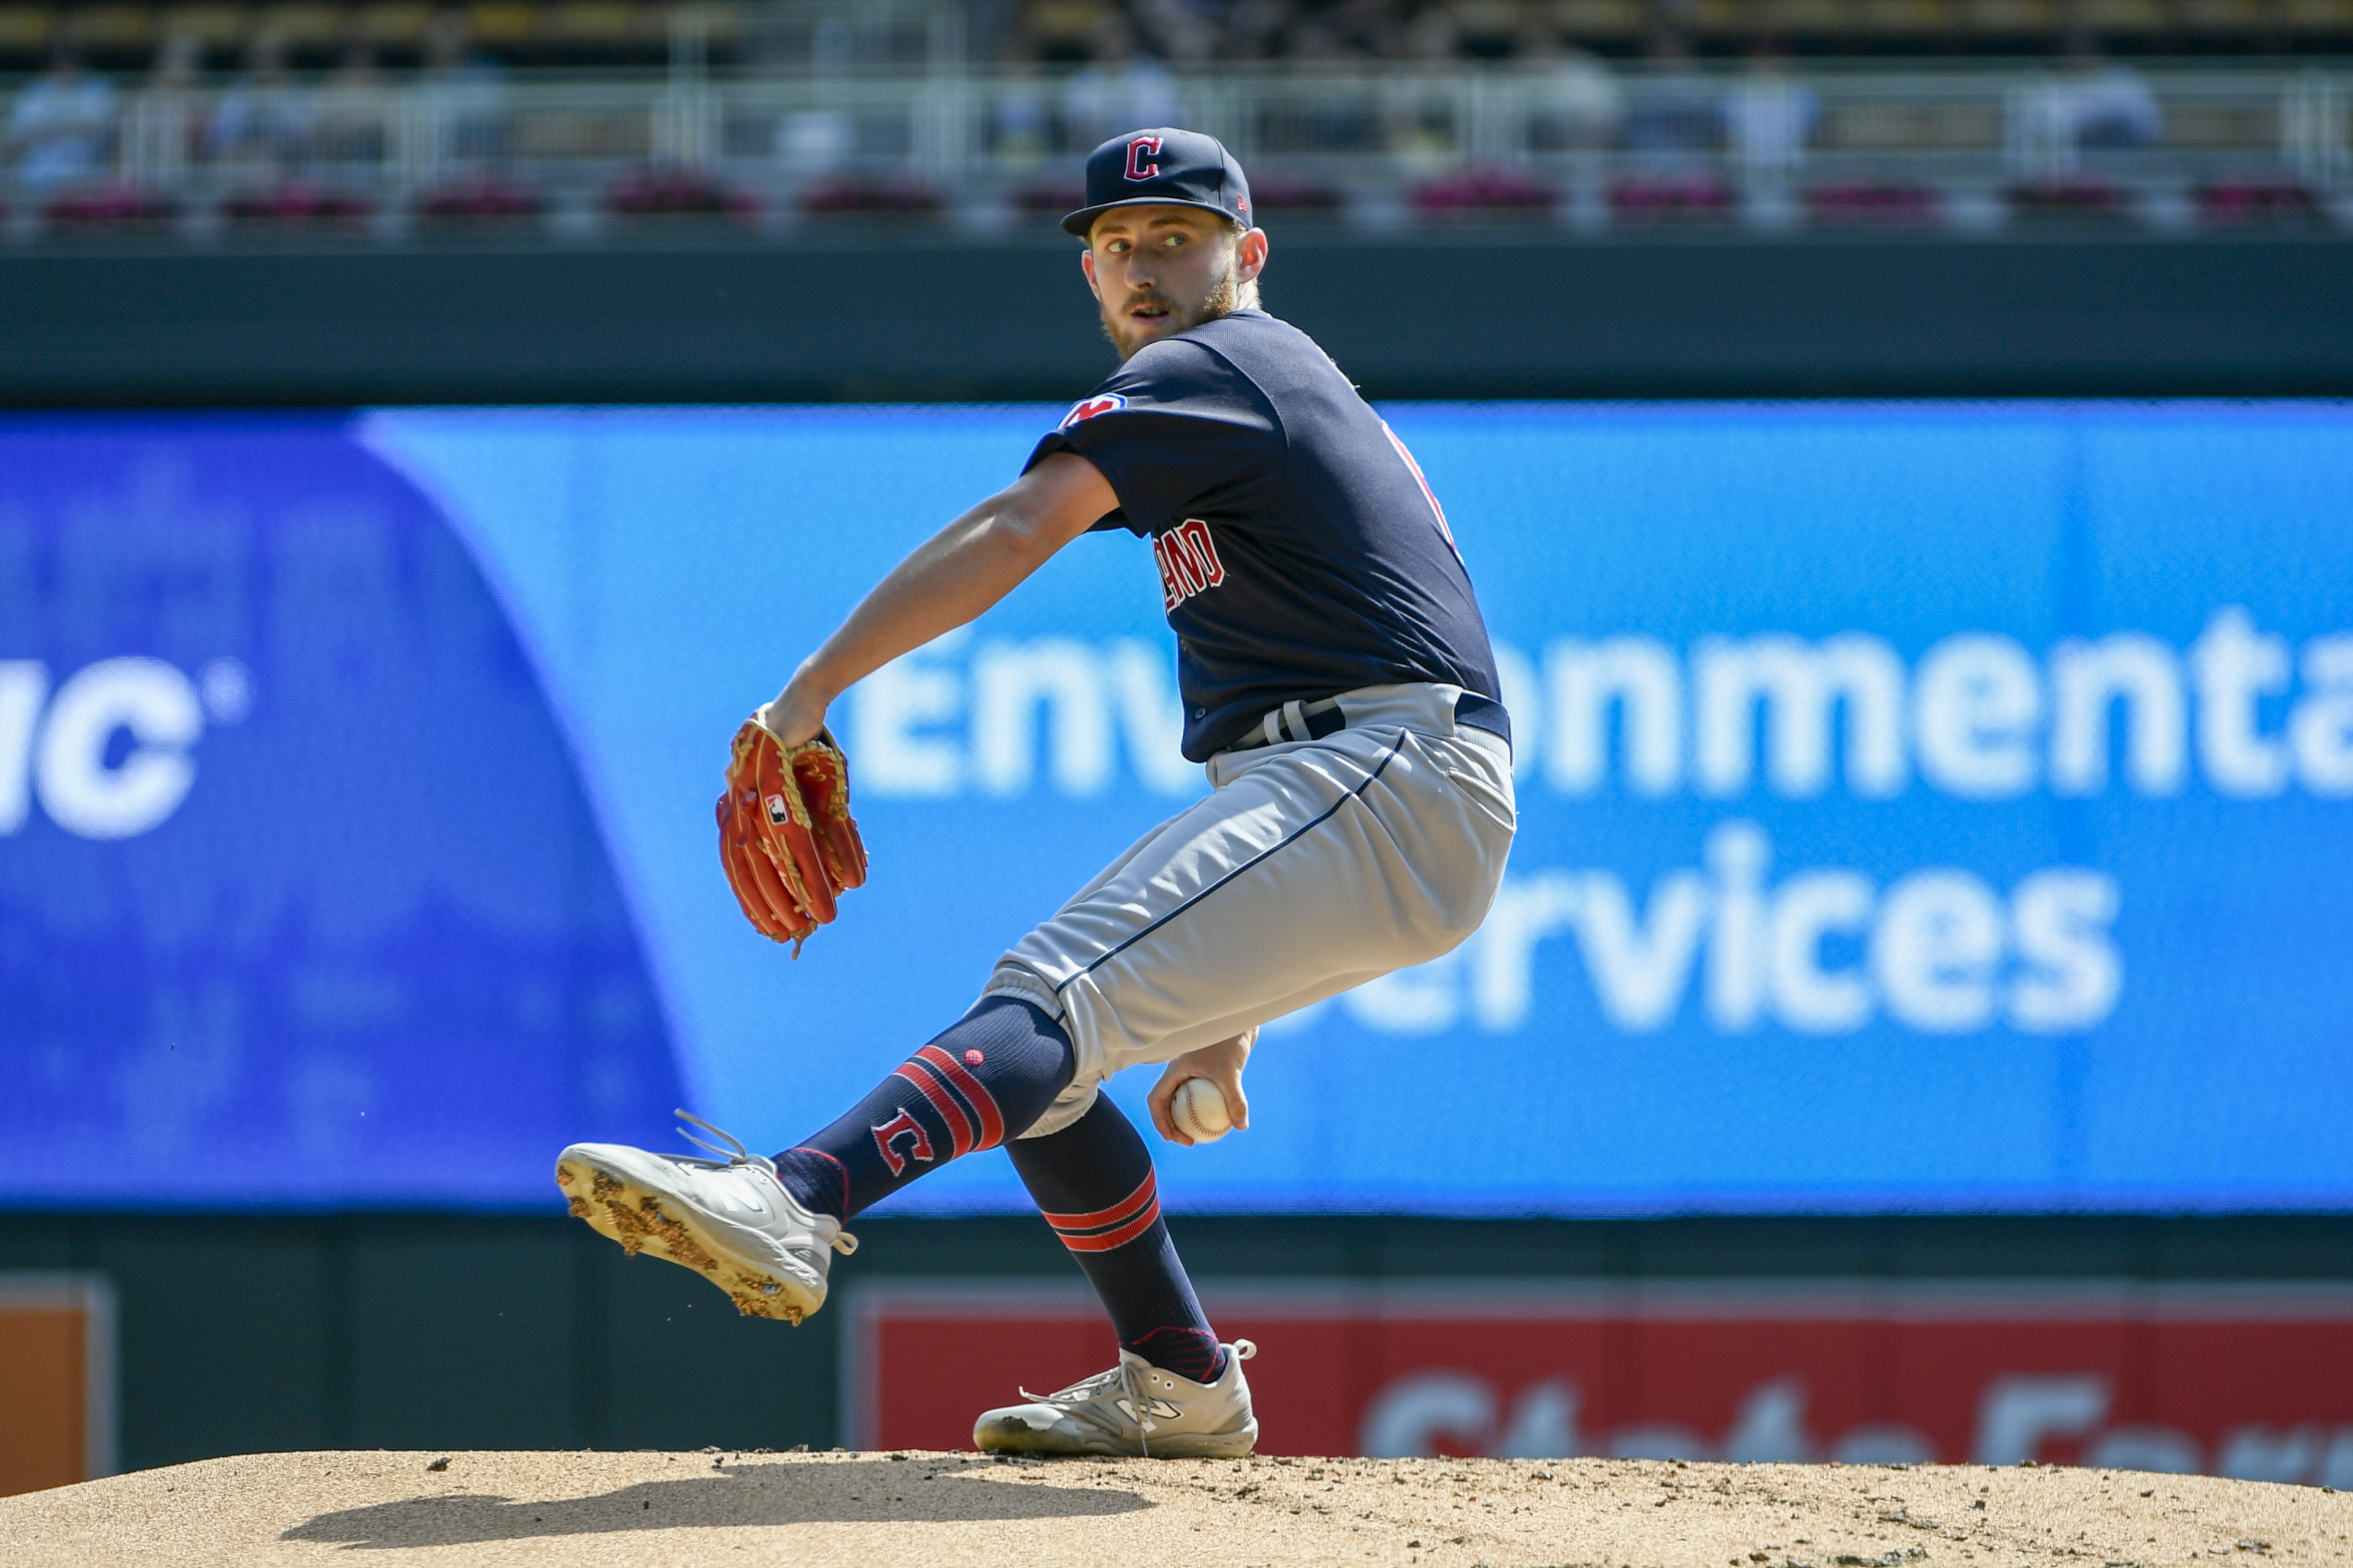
x=1251, y=250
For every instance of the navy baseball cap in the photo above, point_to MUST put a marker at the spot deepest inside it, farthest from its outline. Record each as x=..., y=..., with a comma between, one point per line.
x=1170, y=167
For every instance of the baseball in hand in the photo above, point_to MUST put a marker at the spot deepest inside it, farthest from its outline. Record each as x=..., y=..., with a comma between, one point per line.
x=1198, y=1109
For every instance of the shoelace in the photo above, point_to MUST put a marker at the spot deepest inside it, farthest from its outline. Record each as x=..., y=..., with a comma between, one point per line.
x=1144, y=1423
x=1078, y=1392
x=736, y=1155
x=1089, y=1389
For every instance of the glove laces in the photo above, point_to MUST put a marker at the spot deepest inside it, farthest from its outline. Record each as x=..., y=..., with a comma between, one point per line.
x=736, y=1155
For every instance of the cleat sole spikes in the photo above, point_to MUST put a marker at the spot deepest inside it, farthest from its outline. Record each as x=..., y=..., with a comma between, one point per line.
x=640, y=1222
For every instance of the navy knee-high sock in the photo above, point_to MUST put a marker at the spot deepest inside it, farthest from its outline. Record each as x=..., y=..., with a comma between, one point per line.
x=982, y=1081
x=1093, y=1180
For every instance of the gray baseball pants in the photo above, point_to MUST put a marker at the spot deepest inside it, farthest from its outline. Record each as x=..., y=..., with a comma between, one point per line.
x=1312, y=866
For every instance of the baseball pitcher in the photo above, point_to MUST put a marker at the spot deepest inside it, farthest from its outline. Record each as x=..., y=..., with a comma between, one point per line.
x=1339, y=689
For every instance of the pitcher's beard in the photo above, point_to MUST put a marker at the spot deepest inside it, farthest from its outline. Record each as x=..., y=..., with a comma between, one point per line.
x=1222, y=295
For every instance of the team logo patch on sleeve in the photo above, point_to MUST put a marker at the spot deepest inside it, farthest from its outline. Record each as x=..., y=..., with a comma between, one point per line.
x=1104, y=403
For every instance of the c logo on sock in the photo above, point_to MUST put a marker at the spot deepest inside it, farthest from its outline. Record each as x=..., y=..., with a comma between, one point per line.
x=903, y=1126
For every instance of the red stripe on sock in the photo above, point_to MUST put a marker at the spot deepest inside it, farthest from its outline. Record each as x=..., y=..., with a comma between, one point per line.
x=992, y=1121
x=959, y=1124
x=1146, y=1192
x=1108, y=1239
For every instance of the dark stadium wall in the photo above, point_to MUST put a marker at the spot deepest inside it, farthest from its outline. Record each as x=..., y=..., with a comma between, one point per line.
x=419, y=1331
x=1489, y=313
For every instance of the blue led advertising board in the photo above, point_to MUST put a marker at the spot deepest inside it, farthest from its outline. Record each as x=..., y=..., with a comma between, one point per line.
x=1922, y=807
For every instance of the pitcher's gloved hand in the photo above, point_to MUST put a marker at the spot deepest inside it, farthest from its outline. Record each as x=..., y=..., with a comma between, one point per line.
x=785, y=837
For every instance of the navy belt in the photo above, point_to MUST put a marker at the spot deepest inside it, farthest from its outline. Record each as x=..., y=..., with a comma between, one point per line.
x=1313, y=721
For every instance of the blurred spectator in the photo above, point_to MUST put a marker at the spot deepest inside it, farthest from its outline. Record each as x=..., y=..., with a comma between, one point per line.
x=2100, y=103
x=1185, y=31
x=1434, y=37
x=1574, y=103
x=1062, y=31
x=1312, y=44
x=167, y=129
x=1486, y=30
x=179, y=65
x=463, y=91
x=61, y=128
x=2112, y=106
x=354, y=111
x=1365, y=29
x=1423, y=133
x=264, y=117
x=1020, y=120
x=1674, y=109
x=815, y=141
x=1118, y=90
x=1768, y=115
x=1253, y=28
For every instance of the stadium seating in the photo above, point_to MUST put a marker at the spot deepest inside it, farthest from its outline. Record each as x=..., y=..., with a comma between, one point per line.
x=374, y=120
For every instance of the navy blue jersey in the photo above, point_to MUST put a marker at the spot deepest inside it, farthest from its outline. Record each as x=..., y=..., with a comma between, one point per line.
x=1301, y=553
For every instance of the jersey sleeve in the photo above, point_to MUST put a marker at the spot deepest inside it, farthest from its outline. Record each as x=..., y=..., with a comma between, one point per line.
x=1177, y=431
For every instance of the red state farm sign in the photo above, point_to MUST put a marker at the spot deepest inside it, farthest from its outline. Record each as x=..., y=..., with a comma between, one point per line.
x=2250, y=1382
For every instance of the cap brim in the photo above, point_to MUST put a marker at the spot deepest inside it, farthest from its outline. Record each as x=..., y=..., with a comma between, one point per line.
x=1081, y=221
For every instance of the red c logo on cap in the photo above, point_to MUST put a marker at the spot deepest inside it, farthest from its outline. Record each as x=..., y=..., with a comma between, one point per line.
x=1140, y=149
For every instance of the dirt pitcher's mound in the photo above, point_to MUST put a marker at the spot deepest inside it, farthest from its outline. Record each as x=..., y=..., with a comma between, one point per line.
x=931, y=1510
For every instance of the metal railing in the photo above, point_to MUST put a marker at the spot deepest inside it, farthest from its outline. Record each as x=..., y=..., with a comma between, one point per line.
x=1573, y=141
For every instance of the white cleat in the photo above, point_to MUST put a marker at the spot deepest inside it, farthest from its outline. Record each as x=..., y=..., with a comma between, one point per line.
x=1133, y=1411
x=730, y=1220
